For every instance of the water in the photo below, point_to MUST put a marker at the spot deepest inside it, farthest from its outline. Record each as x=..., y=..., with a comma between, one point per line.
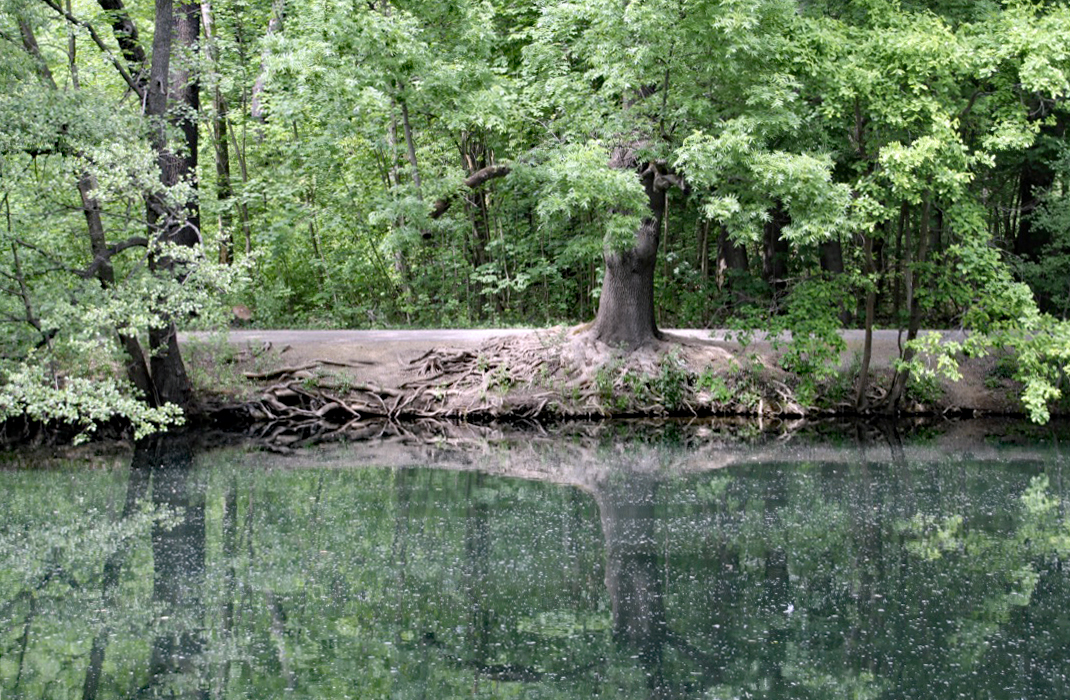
x=678, y=563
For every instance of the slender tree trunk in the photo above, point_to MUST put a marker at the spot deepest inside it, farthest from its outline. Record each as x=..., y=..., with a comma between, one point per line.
x=243, y=170
x=29, y=42
x=220, y=142
x=137, y=370
x=410, y=149
x=72, y=51
x=775, y=251
x=899, y=381
x=256, y=108
x=861, y=400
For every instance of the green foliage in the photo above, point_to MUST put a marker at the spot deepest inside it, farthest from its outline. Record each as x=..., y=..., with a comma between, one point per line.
x=872, y=123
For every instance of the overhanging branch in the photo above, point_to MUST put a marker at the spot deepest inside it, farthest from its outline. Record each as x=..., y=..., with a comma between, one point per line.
x=476, y=179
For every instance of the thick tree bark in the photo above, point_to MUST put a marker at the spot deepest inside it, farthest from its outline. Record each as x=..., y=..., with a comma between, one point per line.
x=626, y=306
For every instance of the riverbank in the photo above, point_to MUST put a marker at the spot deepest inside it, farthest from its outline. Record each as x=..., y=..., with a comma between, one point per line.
x=297, y=385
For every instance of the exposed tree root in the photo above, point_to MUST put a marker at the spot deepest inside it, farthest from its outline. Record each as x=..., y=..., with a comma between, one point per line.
x=556, y=374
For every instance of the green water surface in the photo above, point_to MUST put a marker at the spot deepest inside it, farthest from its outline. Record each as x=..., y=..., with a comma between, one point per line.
x=618, y=567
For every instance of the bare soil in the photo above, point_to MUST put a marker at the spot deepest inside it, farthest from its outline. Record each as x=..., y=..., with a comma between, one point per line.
x=297, y=387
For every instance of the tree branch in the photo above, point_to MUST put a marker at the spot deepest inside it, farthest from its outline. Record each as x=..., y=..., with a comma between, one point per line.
x=473, y=181
x=112, y=251
x=134, y=84
x=969, y=105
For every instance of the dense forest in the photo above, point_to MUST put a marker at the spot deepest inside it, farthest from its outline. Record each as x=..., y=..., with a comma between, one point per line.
x=763, y=164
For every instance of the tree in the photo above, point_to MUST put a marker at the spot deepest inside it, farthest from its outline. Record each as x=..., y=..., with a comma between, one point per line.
x=87, y=144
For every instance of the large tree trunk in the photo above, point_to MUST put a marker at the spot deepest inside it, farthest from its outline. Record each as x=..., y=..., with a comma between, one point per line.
x=626, y=307
x=775, y=251
x=168, y=226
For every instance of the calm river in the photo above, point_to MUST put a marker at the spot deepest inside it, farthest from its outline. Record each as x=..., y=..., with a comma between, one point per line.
x=680, y=561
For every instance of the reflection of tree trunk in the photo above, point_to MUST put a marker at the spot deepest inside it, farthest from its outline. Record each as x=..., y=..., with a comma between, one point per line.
x=477, y=554
x=633, y=575
x=868, y=571
x=230, y=552
x=136, y=489
x=178, y=563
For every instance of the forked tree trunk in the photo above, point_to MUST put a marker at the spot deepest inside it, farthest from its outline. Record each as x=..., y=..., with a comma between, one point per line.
x=626, y=307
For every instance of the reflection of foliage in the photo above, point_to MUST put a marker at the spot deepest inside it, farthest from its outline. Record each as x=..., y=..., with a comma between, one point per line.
x=778, y=581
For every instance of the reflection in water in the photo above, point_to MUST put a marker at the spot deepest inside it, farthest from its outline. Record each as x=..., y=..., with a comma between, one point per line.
x=866, y=573
x=633, y=570
x=178, y=556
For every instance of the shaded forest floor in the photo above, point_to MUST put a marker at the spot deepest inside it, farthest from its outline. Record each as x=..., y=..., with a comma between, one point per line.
x=290, y=388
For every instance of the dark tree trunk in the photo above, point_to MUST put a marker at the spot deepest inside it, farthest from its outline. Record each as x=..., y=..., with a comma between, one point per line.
x=626, y=307
x=633, y=572
x=126, y=36
x=831, y=253
x=832, y=256
x=731, y=259
x=899, y=380
x=775, y=251
x=1036, y=177
x=176, y=86
x=861, y=398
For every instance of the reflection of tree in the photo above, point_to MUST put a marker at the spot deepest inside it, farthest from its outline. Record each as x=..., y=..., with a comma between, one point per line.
x=633, y=571
x=178, y=552
x=865, y=577
x=137, y=485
